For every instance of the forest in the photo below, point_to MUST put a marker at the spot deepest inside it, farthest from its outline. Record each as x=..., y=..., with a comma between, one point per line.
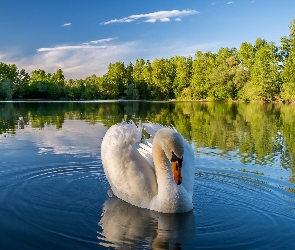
x=261, y=71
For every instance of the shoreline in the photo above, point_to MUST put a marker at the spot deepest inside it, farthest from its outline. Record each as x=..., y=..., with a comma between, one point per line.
x=155, y=101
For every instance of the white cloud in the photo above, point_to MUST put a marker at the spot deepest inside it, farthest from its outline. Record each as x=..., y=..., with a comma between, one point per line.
x=100, y=41
x=230, y=2
x=177, y=19
x=162, y=16
x=150, y=21
x=66, y=24
x=83, y=46
x=82, y=60
x=166, y=19
x=76, y=61
x=70, y=47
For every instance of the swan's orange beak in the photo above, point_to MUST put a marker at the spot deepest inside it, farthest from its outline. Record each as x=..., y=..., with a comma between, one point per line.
x=176, y=170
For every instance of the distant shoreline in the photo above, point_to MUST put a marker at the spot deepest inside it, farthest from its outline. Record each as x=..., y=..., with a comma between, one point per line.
x=155, y=101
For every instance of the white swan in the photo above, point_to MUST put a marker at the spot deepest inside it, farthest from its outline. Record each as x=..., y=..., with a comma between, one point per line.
x=158, y=177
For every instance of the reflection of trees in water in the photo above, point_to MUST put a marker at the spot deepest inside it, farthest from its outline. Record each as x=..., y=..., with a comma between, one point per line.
x=261, y=133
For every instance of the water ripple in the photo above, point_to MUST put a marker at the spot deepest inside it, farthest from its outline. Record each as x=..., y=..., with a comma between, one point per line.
x=241, y=209
x=62, y=197
x=52, y=197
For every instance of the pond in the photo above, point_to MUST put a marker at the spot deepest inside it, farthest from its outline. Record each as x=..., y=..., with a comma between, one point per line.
x=54, y=193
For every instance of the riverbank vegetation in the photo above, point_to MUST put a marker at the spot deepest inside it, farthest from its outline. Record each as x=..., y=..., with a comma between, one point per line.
x=260, y=71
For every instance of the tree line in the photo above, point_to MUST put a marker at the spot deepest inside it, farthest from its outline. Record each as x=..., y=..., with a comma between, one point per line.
x=260, y=71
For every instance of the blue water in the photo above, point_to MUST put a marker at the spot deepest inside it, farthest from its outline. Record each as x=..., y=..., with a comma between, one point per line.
x=54, y=195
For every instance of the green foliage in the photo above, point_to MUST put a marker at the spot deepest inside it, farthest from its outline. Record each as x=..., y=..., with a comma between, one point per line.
x=163, y=74
x=184, y=67
x=6, y=89
x=288, y=72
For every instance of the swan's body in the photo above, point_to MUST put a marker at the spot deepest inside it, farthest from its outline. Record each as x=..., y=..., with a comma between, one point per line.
x=142, y=175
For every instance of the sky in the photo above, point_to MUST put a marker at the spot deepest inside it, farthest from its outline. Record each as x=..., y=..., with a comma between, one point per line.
x=82, y=37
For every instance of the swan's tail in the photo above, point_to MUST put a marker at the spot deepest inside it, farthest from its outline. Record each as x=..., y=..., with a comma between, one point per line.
x=124, y=133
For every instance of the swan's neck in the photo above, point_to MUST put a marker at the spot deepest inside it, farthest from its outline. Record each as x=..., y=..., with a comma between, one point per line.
x=163, y=168
x=171, y=198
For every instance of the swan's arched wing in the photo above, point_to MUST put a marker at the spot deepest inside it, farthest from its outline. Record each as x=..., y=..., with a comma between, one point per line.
x=188, y=168
x=152, y=128
x=130, y=175
x=145, y=149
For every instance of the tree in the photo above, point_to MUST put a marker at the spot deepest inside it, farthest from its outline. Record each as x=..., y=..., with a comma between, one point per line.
x=288, y=74
x=183, y=74
x=6, y=89
x=138, y=75
x=164, y=72
x=222, y=82
x=147, y=73
x=58, y=77
x=18, y=79
x=264, y=67
x=115, y=80
x=246, y=55
x=203, y=65
x=46, y=85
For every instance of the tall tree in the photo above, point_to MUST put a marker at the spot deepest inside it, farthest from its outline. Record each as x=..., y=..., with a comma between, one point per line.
x=222, y=77
x=163, y=77
x=288, y=73
x=203, y=65
x=183, y=74
x=138, y=75
x=264, y=68
x=115, y=80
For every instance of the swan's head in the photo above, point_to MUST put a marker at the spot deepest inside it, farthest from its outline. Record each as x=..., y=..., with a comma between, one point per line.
x=172, y=144
x=176, y=163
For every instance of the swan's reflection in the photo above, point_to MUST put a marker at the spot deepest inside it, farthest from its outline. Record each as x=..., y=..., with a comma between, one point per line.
x=127, y=226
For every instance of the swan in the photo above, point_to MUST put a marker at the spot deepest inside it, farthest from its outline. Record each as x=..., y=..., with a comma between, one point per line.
x=157, y=175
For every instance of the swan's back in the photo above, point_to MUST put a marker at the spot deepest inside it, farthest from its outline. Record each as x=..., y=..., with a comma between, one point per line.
x=130, y=175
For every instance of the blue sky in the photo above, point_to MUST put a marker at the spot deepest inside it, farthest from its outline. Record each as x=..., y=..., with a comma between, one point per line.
x=83, y=36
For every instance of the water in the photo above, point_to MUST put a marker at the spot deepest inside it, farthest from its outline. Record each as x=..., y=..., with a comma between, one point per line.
x=54, y=194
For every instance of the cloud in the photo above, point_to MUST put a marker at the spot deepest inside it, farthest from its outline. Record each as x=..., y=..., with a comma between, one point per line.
x=230, y=2
x=100, y=41
x=76, y=61
x=83, y=46
x=70, y=47
x=166, y=19
x=177, y=19
x=150, y=21
x=162, y=16
x=81, y=60
x=66, y=24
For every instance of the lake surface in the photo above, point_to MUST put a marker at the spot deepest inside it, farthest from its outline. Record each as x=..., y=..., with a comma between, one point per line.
x=54, y=193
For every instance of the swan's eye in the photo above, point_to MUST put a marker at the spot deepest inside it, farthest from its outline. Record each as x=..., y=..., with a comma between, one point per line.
x=177, y=160
x=179, y=163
